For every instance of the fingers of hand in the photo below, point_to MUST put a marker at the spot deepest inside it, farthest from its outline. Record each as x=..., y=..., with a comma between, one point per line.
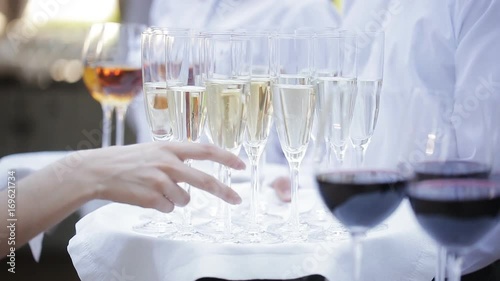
x=205, y=182
x=208, y=152
x=157, y=201
x=173, y=192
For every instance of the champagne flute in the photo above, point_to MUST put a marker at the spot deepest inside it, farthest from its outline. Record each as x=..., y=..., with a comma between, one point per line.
x=158, y=112
x=185, y=62
x=153, y=43
x=89, y=57
x=335, y=77
x=118, y=68
x=370, y=60
x=227, y=92
x=258, y=126
x=294, y=100
x=437, y=148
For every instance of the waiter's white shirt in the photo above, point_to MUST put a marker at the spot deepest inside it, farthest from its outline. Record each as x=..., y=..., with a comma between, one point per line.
x=445, y=45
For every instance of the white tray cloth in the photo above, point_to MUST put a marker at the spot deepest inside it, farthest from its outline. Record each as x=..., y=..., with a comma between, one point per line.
x=106, y=248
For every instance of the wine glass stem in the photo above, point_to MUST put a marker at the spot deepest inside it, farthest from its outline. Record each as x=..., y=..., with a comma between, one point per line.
x=441, y=264
x=186, y=214
x=120, y=124
x=254, y=203
x=454, y=266
x=294, y=209
x=328, y=153
x=357, y=254
x=360, y=155
x=226, y=179
x=107, y=111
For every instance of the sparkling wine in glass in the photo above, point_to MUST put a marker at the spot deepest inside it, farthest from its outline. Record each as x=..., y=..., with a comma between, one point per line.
x=153, y=46
x=258, y=126
x=294, y=101
x=118, y=68
x=89, y=57
x=335, y=77
x=227, y=92
x=370, y=70
x=185, y=69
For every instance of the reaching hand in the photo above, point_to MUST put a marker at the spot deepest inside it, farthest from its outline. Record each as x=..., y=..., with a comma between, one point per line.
x=148, y=174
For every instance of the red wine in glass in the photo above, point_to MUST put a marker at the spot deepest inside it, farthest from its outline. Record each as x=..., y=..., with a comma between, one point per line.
x=361, y=199
x=456, y=213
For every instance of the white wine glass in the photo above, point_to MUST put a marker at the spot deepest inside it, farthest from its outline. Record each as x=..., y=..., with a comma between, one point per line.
x=335, y=78
x=185, y=69
x=153, y=43
x=370, y=73
x=258, y=126
x=227, y=91
x=294, y=102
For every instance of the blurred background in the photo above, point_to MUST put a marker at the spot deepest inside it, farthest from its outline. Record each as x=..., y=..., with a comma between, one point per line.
x=43, y=101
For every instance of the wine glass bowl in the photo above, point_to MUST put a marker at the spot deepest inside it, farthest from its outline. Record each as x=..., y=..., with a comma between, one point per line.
x=361, y=199
x=91, y=81
x=456, y=213
x=118, y=68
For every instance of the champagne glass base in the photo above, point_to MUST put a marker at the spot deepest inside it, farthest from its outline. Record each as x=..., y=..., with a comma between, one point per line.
x=155, y=227
x=332, y=233
x=192, y=235
x=291, y=232
x=217, y=230
x=260, y=238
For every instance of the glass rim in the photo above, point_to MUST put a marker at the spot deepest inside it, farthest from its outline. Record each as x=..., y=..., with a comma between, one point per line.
x=415, y=189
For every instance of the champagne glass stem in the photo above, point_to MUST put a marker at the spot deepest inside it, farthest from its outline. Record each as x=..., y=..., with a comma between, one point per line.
x=186, y=214
x=357, y=254
x=328, y=153
x=360, y=155
x=441, y=264
x=254, y=203
x=120, y=124
x=226, y=177
x=294, y=210
x=454, y=266
x=107, y=111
